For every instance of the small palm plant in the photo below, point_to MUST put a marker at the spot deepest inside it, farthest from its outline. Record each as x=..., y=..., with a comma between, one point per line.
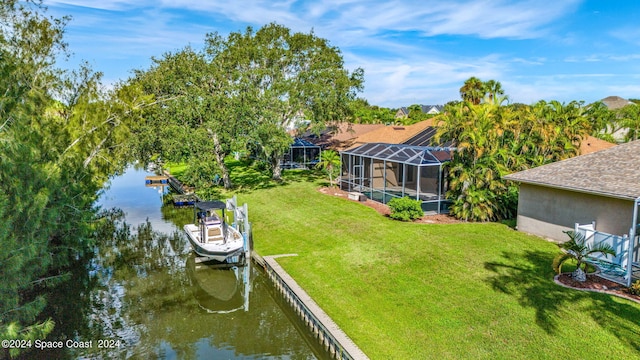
x=329, y=162
x=577, y=249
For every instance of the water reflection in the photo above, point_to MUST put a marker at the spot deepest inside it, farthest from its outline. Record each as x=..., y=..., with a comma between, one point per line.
x=129, y=193
x=219, y=289
x=145, y=290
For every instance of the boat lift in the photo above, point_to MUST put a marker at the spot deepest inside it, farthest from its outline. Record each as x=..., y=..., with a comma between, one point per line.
x=241, y=223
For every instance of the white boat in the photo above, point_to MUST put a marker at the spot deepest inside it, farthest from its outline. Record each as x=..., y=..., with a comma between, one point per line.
x=211, y=237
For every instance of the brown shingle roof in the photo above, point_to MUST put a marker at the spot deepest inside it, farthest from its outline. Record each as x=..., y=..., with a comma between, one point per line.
x=615, y=102
x=613, y=172
x=393, y=134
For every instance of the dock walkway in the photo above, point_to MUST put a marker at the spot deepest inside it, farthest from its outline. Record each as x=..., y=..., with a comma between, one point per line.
x=177, y=185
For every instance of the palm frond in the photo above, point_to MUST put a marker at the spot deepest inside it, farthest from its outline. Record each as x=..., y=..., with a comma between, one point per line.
x=559, y=260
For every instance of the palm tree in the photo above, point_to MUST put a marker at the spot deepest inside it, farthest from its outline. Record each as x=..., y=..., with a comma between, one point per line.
x=329, y=162
x=494, y=92
x=630, y=118
x=602, y=120
x=577, y=249
x=473, y=90
x=475, y=185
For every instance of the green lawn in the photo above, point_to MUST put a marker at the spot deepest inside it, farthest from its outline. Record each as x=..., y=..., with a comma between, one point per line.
x=176, y=169
x=416, y=291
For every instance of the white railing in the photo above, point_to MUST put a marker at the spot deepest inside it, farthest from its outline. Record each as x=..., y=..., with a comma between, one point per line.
x=610, y=265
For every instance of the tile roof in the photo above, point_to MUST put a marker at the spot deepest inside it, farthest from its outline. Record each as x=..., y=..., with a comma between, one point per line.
x=592, y=144
x=613, y=172
x=340, y=135
x=393, y=134
x=344, y=135
x=347, y=131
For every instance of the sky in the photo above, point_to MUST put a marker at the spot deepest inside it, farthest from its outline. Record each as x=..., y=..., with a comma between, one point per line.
x=412, y=52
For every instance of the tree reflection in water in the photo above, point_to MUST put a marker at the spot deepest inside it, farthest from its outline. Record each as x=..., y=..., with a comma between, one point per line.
x=145, y=290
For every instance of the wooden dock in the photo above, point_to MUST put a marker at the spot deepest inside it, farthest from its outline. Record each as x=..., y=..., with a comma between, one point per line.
x=184, y=199
x=178, y=186
x=156, y=180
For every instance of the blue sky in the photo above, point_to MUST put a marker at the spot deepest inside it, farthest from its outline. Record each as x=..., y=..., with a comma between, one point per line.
x=412, y=52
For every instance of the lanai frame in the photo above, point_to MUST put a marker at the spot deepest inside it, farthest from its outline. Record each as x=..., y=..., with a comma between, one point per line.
x=302, y=154
x=386, y=171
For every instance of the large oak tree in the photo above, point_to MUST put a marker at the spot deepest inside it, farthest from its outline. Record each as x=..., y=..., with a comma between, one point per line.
x=241, y=93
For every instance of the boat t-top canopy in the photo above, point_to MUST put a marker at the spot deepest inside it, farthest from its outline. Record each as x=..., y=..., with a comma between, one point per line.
x=210, y=205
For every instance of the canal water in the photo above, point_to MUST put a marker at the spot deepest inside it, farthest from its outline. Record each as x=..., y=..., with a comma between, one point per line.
x=145, y=296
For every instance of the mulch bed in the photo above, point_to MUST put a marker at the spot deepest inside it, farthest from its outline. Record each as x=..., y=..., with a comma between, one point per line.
x=383, y=209
x=597, y=284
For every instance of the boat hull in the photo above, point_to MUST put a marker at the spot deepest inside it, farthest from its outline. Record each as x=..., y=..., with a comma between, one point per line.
x=218, y=251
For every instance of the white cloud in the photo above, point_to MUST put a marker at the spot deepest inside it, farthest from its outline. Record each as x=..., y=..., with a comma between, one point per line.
x=398, y=43
x=483, y=18
x=92, y=4
x=427, y=79
x=629, y=34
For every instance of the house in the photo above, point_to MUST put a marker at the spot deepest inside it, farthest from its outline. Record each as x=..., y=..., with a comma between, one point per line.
x=398, y=161
x=616, y=102
x=597, y=194
x=302, y=154
x=305, y=150
x=602, y=186
x=592, y=144
x=403, y=112
x=398, y=134
x=339, y=136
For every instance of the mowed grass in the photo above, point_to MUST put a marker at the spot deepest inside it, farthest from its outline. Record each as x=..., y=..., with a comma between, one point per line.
x=176, y=169
x=449, y=291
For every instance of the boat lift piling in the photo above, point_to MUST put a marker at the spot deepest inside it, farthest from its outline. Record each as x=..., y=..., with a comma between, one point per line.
x=241, y=223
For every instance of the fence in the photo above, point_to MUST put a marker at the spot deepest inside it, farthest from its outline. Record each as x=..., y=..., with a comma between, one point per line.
x=614, y=268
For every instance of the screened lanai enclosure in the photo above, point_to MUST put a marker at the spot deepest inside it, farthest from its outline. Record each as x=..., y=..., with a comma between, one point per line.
x=302, y=154
x=386, y=171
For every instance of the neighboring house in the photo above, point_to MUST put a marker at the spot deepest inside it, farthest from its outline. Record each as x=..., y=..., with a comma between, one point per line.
x=302, y=154
x=403, y=112
x=398, y=134
x=601, y=187
x=305, y=150
x=396, y=161
x=340, y=136
x=432, y=109
x=615, y=103
x=592, y=144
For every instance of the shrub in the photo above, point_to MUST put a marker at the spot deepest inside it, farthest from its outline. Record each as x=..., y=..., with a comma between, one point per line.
x=635, y=288
x=405, y=209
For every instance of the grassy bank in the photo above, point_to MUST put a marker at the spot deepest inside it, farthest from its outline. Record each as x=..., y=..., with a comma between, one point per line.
x=415, y=291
